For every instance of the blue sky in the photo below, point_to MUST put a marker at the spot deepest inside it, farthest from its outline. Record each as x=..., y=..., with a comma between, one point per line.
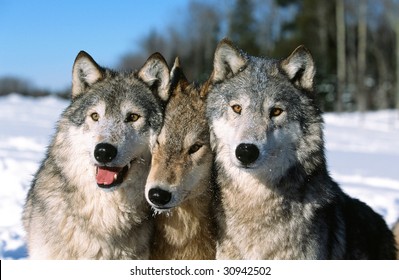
x=40, y=39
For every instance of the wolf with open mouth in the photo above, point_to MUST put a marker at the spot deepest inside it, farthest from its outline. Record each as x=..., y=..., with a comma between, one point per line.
x=102, y=142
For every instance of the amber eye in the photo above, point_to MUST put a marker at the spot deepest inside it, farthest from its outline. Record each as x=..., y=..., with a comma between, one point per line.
x=95, y=116
x=237, y=109
x=132, y=117
x=194, y=148
x=275, y=112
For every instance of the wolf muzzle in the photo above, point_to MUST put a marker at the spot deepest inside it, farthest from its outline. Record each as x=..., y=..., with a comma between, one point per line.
x=108, y=177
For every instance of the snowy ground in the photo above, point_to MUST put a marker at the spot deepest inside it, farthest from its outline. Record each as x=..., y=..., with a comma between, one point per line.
x=362, y=154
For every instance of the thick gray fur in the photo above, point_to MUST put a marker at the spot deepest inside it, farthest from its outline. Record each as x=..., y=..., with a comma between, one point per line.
x=284, y=205
x=67, y=215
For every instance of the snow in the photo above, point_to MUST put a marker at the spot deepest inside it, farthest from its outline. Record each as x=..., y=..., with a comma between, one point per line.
x=362, y=153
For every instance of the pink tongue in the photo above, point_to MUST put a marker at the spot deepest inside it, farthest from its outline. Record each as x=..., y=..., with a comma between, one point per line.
x=106, y=176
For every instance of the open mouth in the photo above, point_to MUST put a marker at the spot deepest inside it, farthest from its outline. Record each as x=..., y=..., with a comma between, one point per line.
x=109, y=177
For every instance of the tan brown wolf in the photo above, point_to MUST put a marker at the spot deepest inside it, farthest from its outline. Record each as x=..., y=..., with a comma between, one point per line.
x=87, y=199
x=277, y=199
x=179, y=183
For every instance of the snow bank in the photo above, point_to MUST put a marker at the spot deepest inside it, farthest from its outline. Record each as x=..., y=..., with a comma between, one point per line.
x=362, y=154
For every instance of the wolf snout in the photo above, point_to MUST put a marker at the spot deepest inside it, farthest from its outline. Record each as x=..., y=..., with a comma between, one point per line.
x=247, y=153
x=159, y=197
x=104, y=152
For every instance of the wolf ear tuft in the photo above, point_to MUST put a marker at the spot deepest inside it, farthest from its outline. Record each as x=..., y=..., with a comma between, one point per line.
x=85, y=73
x=177, y=77
x=155, y=73
x=176, y=73
x=227, y=62
x=176, y=64
x=300, y=68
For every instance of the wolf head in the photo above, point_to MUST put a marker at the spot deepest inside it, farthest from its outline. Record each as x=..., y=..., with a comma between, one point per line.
x=262, y=114
x=112, y=119
x=181, y=158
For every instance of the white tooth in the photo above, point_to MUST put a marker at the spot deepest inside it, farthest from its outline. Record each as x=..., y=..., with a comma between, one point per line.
x=115, y=176
x=128, y=165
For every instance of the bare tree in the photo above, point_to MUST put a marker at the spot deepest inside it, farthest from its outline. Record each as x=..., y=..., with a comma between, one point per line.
x=361, y=93
x=396, y=28
x=341, y=54
x=243, y=28
x=203, y=33
x=381, y=49
x=392, y=11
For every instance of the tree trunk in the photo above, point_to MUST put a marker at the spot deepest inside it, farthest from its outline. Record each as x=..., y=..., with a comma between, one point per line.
x=361, y=93
x=397, y=63
x=341, y=55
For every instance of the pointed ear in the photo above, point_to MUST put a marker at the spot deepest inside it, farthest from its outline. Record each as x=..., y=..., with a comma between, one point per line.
x=227, y=62
x=155, y=73
x=177, y=72
x=300, y=68
x=85, y=73
x=177, y=77
x=176, y=65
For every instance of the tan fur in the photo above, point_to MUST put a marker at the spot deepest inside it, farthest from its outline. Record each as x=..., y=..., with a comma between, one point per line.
x=186, y=230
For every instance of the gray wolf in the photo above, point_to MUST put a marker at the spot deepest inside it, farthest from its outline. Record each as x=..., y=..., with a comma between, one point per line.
x=179, y=183
x=276, y=198
x=87, y=198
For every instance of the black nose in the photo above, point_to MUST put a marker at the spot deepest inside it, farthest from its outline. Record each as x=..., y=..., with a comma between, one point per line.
x=159, y=196
x=247, y=153
x=105, y=152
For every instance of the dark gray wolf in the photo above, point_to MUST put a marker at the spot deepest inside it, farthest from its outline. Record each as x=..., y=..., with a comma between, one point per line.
x=179, y=183
x=87, y=199
x=277, y=200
